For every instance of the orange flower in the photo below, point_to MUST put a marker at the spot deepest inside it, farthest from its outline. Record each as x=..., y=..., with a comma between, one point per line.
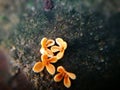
x=60, y=49
x=64, y=74
x=46, y=43
x=46, y=62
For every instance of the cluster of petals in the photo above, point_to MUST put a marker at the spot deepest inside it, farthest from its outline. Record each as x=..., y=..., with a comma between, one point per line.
x=49, y=47
x=65, y=75
x=62, y=45
x=48, y=50
x=45, y=62
x=51, y=52
x=45, y=45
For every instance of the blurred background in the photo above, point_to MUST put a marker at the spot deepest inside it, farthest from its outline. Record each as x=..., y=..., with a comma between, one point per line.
x=91, y=28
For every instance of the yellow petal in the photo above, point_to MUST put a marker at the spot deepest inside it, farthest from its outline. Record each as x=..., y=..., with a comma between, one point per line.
x=53, y=59
x=38, y=67
x=55, y=48
x=71, y=75
x=50, y=42
x=60, y=55
x=60, y=69
x=67, y=81
x=42, y=50
x=50, y=68
x=43, y=41
x=58, y=77
x=59, y=41
x=64, y=44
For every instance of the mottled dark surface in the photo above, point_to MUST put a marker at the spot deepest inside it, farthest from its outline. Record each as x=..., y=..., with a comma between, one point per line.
x=90, y=27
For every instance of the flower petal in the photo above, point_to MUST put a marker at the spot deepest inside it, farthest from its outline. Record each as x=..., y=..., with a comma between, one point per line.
x=38, y=67
x=67, y=81
x=71, y=75
x=42, y=50
x=49, y=52
x=53, y=59
x=60, y=69
x=44, y=57
x=46, y=52
x=50, y=42
x=43, y=42
x=64, y=44
x=58, y=77
x=50, y=68
x=59, y=41
x=60, y=55
x=55, y=48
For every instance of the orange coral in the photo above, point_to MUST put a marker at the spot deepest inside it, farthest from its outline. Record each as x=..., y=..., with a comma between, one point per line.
x=46, y=43
x=64, y=74
x=46, y=62
x=60, y=49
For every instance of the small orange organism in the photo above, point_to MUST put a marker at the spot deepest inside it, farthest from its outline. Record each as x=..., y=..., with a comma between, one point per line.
x=46, y=43
x=60, y=49
x=51, y=53
x=64, y=74
x=46, y=62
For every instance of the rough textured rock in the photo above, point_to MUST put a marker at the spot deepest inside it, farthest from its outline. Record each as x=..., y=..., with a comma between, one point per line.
x=92, y=34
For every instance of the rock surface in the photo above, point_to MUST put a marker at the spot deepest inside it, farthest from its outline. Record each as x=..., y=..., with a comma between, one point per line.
x=90, y=27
